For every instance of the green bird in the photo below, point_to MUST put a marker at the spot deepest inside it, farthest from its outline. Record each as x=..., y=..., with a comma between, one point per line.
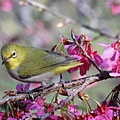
x=29, y=64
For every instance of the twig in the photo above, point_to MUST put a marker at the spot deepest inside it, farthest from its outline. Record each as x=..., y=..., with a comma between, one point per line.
x=45, y=90
x=55, y=87
x=88, y=81
x=66, y=18
x=84, y=52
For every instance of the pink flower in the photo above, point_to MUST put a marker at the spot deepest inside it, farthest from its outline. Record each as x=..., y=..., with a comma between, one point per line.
x=103, y=112
x=11, y=119
x=26, y=116
x=6, y=5
x=37, y=107
x=108, y=115
x=75, y=52
x=1, y=115
x=26, y=104
x=111, y=58
x=114, y=6
x=72, y=110
x=117, y=66
x=53, y=117
x=21, y=87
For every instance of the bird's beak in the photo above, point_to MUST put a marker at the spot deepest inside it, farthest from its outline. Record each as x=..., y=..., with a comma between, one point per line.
x=4, y=60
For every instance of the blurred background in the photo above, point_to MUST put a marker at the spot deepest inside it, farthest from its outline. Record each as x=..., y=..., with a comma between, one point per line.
x=28, y=26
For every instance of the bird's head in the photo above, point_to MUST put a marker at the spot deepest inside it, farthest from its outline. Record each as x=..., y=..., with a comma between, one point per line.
x=11, y=55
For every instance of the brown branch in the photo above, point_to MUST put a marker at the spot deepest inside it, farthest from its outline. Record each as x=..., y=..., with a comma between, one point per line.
x=66, y=18
x=57, y=86
x=87, y=81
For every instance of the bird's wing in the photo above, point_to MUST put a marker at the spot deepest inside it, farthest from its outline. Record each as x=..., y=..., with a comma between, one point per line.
x=44, y=62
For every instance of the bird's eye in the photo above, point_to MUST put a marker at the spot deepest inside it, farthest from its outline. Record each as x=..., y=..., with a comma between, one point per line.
x=14, y=54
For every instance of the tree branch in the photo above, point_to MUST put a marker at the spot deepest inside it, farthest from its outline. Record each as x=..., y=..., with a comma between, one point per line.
x=87, y=81
x=54, y=87
x=66, y=18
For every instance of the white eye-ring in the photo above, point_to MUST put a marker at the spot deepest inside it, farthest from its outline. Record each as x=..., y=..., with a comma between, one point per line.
x=14, y=53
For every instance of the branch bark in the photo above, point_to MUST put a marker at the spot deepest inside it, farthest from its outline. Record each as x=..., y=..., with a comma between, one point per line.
x=67, y=19
x=82, y=82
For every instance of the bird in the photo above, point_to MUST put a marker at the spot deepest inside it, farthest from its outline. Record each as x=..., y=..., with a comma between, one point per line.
x=34, y=65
